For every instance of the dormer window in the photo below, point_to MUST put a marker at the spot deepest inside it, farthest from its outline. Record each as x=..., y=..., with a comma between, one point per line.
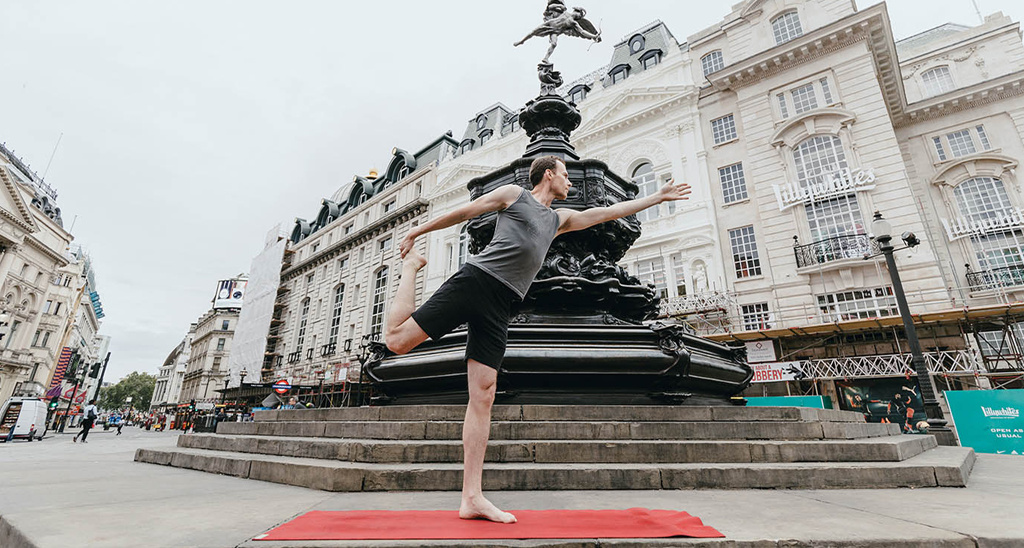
x=651, y=59
x=786, y=27
x=466, y=146
x=712, y=62
x=510, y=124
x=403, y=172
x=619, y=73
x=578, y=93
x=485, y=136
x=481, y=122
x=637, y=44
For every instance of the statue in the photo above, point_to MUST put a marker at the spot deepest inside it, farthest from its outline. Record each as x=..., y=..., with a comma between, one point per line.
x=559, y=20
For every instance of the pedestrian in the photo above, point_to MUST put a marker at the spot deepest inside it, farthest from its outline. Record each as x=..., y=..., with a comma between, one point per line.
x=120, y=425
x=89, y=415
x=482, y=292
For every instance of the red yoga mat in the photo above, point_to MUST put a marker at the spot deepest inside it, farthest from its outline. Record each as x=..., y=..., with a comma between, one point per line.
x=532, y=524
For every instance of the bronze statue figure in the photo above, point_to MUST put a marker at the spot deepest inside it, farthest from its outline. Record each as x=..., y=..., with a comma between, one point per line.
x=559, y=20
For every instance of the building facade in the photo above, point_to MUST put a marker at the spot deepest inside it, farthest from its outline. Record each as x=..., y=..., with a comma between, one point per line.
x=171, y=377
x=207, y=365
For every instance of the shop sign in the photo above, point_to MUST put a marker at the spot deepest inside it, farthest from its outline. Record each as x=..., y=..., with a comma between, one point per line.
x=989, y=420
x=776, y=371
x=760, y=351
x=961, y=228
x=842, y=182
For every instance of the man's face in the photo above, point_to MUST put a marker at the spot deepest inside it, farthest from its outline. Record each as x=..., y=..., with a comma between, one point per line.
x=560, y=181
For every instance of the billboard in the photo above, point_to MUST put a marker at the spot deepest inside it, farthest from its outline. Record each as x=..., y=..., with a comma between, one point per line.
x=891, y=400
x=230, y=293
x=776, y=371
x=989, y=420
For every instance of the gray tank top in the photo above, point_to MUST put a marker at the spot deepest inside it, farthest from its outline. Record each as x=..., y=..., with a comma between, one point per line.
x=522, y=236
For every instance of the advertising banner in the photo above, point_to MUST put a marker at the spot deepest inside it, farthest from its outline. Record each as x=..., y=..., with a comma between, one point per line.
x=817, y=402
x=776, y=371
x=989, y=420
x=896, y=401
x=760, y=351
x=229, y=294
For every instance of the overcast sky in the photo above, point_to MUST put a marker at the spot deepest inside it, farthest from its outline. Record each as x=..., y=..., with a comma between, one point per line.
x=191, y=128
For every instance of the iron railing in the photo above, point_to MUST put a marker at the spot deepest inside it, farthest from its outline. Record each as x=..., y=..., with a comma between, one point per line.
x=854, y=246
x=700, y=302
x=1007, y=276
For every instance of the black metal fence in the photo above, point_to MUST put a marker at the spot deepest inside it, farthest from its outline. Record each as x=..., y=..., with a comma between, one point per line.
x=855, y=246
x=1007, y=276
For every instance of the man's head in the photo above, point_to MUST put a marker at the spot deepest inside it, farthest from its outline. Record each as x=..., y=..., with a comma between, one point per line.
x=92, y=402
x=293, y=400
x=551, y=170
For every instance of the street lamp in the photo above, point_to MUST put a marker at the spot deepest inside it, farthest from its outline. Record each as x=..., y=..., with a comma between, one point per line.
x=224, y=394
x=882, y=231
x=320, y=374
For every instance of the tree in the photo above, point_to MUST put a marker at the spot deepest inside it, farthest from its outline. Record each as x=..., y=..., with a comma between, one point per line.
x=137, y=385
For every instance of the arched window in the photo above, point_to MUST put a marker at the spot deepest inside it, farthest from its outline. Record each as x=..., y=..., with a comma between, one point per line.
x=380, y=290
x=985, y=198
x=817, y=161
x=303, y=317
x=463, y=245
x=937, y=81
x=339, y=301
x=712, y=62
x=786, y=27
x=637, y=44
x=481, y=121
x=644, y=178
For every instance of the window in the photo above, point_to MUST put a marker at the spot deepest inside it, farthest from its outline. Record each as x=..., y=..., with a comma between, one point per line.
x=786, y=27
x=651, y=59
x=216, y=364
x=511, y=123
x=485, y=136
x=734, y=186
x=712, y=62
x=984, y=137
x=347, y=230
x=384, y=245
x=804, y=99
x=938, y=149
x=982, y=199
x=220, y=344
x=818, y=158
x=315, y=247
x=578, y=93
x=303, y=316
x=782, y=105
x=723, y=129
x=826, y=91
x=390, y=206
x=637, y=44
x=481, y=122
x=309, y=279
x=837, y=217
x=56, y=309
x=463, y=245
x=47, y=306
x=756, y=317
x=744, y=252
x=224, y=325
x=937, y=81
x=652, y=272
x=644, y=178
x=342, y=265
x=46, y=339
x=619, y=73
x=380, y=288
x=857, y=304
x=339, y=301
x=35, y=338
x=679, y=271
x=466, y=146
x=960, y=143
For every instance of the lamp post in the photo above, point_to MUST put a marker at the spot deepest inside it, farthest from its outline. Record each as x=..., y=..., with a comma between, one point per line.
x=224, y=394
x=241, y=384
x=320, y=374
x=936, y=422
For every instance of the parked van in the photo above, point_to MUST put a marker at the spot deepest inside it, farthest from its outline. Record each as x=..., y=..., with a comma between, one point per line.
x=24, y=417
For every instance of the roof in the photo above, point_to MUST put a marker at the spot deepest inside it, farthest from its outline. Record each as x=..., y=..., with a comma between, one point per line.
x=939, y=33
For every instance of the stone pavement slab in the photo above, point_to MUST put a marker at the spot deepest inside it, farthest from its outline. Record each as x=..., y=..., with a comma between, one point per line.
x=56, y=494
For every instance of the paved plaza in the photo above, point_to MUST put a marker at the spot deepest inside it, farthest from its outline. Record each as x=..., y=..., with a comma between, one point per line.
x=58, y=494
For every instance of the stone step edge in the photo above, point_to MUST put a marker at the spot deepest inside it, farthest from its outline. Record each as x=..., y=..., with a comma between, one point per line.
x=939, y=467
x=904, y=447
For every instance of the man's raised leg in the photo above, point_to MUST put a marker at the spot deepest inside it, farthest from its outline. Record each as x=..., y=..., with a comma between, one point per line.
x=475, y=432
x=401, y=333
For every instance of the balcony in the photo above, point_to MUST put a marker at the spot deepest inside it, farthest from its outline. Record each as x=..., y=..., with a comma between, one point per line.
x=697, y=304
x=837, y=248
x=1007, y=276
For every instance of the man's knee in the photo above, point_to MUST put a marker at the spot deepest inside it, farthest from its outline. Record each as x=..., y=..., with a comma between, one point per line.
x=482, y=392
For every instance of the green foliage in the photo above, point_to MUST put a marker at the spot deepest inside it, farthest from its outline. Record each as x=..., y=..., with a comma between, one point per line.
x=137, y=385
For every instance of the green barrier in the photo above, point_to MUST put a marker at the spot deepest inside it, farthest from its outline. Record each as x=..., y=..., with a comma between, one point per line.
x=989, y=420
x=817, y=402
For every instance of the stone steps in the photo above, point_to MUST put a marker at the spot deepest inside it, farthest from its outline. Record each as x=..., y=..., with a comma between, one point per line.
x=882, y=449
x=566, y=430
x=937, y=467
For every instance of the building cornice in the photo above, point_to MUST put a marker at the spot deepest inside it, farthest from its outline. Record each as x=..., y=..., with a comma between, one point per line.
x=12, y=189
x=997, y=89
x=672, y=96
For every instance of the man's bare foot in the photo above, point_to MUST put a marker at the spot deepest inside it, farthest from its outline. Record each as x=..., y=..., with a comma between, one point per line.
x=481, y=508
x=415, y=260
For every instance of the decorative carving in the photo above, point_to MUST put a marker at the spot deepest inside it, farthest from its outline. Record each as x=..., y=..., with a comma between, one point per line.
x=947, y=57
x=647, y=149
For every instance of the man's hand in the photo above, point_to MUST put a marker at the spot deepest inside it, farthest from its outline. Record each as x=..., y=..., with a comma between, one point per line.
x=406, y=245
x=674, y=191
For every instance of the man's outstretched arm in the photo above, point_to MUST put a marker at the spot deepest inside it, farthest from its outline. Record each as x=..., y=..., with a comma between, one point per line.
x=495, y=200
x=578, y=220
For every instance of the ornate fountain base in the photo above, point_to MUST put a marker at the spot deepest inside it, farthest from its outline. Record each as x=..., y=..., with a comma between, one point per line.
x=570, y=360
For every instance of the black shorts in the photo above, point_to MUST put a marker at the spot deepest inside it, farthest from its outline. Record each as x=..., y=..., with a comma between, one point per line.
x=478, y=299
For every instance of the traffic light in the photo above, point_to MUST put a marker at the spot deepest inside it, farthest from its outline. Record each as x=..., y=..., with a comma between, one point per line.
x=94, y=370
x=54, y=402
x=192, y=405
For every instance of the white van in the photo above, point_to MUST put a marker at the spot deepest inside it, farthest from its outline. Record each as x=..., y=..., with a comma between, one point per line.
x=25, y=417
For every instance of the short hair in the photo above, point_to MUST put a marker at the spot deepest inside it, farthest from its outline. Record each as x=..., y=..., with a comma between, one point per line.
x=542, y=164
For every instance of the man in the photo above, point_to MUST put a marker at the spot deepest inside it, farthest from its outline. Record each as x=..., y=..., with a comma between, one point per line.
x=482, y=292
x=89, y=415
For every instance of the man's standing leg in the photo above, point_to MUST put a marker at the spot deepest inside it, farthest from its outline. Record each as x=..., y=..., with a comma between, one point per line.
x=475, y=432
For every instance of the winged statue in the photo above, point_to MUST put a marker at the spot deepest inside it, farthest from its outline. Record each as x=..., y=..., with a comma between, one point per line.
x=559, y=20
